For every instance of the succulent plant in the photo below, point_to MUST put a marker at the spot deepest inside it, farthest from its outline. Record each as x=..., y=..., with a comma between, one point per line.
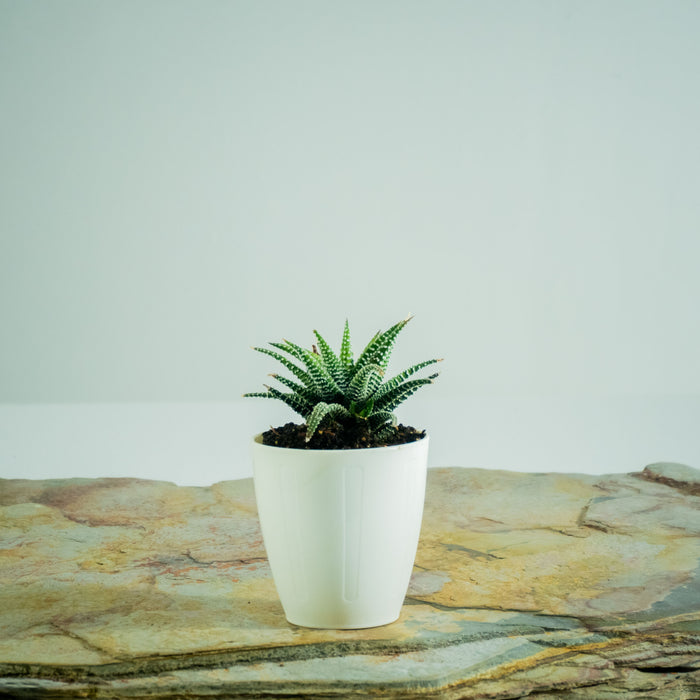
x=335, y=387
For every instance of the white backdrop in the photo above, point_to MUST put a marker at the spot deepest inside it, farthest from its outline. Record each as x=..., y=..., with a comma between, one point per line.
x=181, y=180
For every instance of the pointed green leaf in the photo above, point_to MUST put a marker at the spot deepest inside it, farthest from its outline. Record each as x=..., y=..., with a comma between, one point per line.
x=399, y=378
x=291, y=348
x=331, y=361
x=363, y=359
x=365, y=382
x=379, y=348
x=303, y=391
x=376, y=420
x=296, y=371
x=320, y=412
x=321, y=379
x=294, y=401
x=398, y=395
x=346, y=352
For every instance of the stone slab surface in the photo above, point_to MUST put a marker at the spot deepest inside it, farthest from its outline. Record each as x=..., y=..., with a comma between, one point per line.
x=525, y=585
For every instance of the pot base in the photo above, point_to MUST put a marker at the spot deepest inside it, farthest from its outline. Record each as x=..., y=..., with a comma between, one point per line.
x=360, y=625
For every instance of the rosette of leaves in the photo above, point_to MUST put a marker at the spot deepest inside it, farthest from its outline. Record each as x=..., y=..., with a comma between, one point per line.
x=335, y=387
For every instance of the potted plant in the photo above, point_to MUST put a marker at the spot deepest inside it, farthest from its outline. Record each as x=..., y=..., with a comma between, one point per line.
x=340, y=497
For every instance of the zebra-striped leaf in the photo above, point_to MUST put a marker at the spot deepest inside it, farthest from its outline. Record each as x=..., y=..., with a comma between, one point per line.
x=346, y=353
x=332, y=362
x=378, y=351
x=294, y=369
x=321, y=411
x=365, y=382
x=296, y=402
x=321, y=378
x=399, y=394
x=303, y=391
x=376, y=420
x=399, y=378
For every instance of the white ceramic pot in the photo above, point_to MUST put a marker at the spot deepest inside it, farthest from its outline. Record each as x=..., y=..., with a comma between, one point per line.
x=341, y=529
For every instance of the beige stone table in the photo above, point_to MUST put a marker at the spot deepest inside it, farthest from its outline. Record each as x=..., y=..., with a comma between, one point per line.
x=525, y=585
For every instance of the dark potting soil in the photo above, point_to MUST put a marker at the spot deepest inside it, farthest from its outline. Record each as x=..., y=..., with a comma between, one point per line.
x=337, y=437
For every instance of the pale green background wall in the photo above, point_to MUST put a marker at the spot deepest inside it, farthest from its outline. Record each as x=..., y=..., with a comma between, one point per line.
x=180, y=180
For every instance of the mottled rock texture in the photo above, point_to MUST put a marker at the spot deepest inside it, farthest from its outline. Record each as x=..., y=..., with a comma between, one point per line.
x=537, y=585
